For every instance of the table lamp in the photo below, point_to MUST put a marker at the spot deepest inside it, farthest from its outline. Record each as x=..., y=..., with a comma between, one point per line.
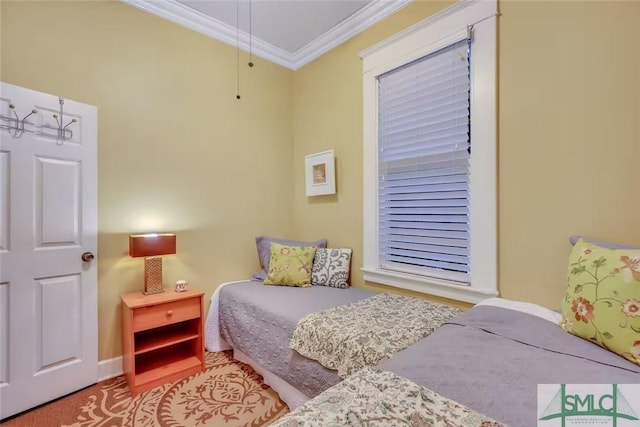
x=151, y=246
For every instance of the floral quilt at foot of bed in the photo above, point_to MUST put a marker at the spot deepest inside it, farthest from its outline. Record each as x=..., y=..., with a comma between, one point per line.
x=382, y=398
x=365, y=333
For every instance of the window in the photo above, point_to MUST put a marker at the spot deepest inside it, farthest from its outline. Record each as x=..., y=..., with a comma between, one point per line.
x=423, y=165
x=430, y=156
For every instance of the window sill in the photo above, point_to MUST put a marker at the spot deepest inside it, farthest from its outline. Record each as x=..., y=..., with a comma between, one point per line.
x=430, y=286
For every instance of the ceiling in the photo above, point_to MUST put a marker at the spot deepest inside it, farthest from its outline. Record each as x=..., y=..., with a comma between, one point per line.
x=288, y=25
x=288, y=32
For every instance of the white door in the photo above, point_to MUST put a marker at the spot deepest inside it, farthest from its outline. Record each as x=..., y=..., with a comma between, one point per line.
x=48, y=219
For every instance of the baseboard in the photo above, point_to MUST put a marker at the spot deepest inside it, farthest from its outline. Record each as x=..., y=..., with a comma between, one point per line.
x=109, y=368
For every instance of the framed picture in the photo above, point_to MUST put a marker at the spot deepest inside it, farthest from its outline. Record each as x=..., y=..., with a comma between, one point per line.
x=320, y=173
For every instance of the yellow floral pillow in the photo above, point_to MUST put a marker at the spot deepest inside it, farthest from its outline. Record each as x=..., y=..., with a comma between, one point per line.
x=602, y=303
x=290, y=265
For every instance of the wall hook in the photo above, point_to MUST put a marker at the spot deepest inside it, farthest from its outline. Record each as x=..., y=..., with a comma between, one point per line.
x=62, y=130
x=33, y=111
x=16, y=129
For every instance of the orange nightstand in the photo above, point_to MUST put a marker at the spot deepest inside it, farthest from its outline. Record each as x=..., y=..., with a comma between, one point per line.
x=162, y=336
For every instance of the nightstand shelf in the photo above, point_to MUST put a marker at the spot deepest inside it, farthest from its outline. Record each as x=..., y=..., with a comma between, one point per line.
x=156, y=338
x=162, y=337
x=152, y=369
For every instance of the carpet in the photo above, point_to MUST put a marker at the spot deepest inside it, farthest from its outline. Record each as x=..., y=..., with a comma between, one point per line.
x=226, y=393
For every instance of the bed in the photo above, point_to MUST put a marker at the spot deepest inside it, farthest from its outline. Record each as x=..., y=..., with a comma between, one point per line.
x=490, y=358
x=344, y=330
x=257, y=322
x=484, y=365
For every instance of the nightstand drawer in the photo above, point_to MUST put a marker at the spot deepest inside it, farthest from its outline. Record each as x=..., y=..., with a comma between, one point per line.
x=164, y=314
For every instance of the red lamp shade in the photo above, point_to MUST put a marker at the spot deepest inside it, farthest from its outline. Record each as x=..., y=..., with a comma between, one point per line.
x=152, y=244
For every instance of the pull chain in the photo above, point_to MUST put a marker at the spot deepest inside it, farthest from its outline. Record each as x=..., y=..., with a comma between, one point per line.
x=237, y=49
x=250, y=35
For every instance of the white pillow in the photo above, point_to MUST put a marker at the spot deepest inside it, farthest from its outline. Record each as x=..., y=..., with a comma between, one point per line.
x=525, y=307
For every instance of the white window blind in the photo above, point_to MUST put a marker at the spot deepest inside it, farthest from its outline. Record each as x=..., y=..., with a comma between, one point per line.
x=423, y=166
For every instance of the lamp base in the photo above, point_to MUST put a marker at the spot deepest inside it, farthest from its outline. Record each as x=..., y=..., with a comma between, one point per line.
x=153, y=275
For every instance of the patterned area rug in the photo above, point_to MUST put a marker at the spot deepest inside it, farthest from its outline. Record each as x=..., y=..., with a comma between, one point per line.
x=226, y=393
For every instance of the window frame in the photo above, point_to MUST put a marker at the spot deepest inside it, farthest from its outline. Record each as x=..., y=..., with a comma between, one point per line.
x=441, y=30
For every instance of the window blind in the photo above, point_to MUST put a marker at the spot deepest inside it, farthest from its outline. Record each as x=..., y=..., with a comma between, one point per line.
x=423, y=165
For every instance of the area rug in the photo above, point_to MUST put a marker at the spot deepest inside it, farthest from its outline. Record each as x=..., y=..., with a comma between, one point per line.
x=226, y=393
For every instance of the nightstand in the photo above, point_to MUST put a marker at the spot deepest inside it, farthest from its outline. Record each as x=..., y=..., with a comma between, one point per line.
x=162, y=337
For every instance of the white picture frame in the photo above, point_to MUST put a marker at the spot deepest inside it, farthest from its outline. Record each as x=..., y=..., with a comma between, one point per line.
x=320, y=173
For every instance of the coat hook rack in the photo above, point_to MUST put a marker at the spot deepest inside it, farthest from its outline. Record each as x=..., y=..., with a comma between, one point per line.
x=17, y=126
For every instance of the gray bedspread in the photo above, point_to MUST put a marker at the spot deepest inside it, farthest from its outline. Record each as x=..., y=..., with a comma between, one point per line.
x=491, y=360
x=260, y=320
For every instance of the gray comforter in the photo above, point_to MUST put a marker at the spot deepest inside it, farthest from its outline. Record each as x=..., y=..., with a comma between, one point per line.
x=260, y=320
x=491, y=360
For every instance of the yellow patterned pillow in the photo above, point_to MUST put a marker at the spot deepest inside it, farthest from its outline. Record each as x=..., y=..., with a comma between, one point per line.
x=290, y=265
x=602, y=303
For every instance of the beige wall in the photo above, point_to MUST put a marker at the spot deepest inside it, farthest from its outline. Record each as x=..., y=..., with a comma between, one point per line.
x=569, y=133
x=177, y=151
x=569, y=136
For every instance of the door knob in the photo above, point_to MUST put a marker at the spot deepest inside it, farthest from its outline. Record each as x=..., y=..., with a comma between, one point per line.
x=87, y=256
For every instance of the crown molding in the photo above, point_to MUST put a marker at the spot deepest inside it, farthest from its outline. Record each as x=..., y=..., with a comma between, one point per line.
x=187, y=17
x=354, y=24
x=190, y=18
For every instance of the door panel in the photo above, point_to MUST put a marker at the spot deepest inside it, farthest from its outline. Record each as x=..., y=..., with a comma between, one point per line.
x=57, y=219
x=48, y=203
x=4, y=201
x=4, y=333
x=61, y=319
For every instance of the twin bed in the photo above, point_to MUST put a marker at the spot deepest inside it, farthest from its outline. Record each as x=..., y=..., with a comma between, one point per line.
x=257, y=321
x=489, y=359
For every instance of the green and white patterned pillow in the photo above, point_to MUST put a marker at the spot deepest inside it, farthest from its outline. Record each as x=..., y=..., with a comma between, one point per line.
x=602, y=303
x=290, y=265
